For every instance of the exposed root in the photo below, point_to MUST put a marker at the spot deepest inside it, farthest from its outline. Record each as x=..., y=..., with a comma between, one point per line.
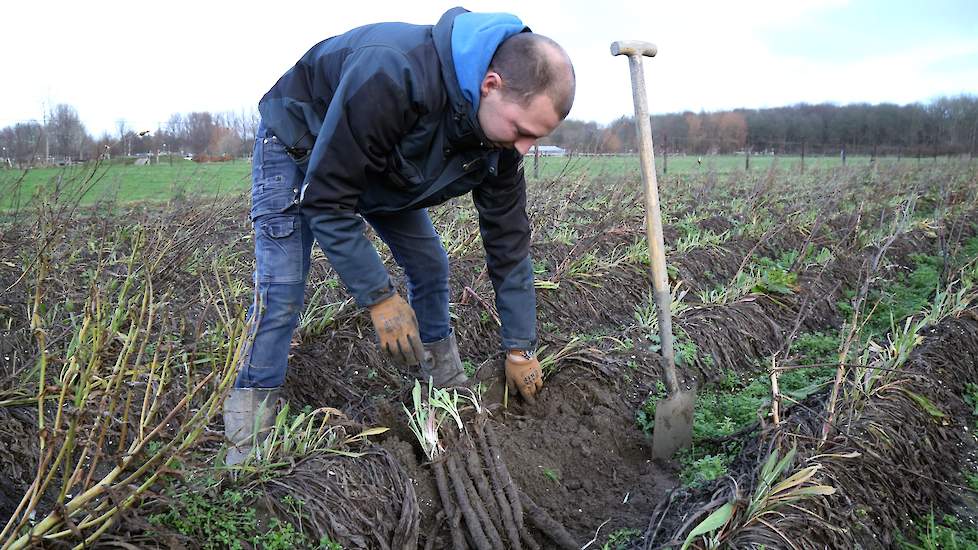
x=512, y=493
x=492, y=529
x=505, y=509
x=478, y=535
x=441, y=481
x=548, y=525
x=485, y=515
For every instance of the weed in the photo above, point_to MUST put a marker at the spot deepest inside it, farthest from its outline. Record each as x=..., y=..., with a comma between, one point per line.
x=645, y=416
x=823, y=257
x=687, y=352
x=319, y=316
x=971, y=397
x=325, y=543
x=548, y=362
x=700, y=238
x=758, y=224
x=637, y=253
x=697, y=471
x=949, y=534
x=280, y=536
x=816, y=347
x=583, y=267
x=551, y=474
x=226, y=521
x=905, y=296
x=730, y=380
x=765, y=276
x=646, y=314
x=621, y=539
x=972, y=480
x=540, y=266
x=296, y=435
x=564, y=234
x=773, y=276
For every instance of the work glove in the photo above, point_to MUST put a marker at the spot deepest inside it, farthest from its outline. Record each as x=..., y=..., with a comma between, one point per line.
x=397, y=329
x=523, y=374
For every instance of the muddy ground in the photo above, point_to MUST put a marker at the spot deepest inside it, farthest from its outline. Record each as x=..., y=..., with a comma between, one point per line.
x=578, y=453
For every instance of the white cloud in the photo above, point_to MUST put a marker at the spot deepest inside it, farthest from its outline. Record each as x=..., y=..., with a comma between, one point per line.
x=114, y=61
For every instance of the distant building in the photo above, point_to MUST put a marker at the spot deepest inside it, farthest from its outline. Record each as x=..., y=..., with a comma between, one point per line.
x=548, y=151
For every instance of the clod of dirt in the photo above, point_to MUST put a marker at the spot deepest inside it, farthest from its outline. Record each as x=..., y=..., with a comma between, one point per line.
x=18, y=462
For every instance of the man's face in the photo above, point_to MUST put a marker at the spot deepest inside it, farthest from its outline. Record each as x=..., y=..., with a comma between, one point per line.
x=509, y=125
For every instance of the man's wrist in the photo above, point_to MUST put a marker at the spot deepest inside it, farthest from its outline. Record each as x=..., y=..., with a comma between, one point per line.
x=520, y=355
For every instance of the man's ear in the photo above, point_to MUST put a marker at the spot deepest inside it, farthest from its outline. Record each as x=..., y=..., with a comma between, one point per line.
x=491, y=81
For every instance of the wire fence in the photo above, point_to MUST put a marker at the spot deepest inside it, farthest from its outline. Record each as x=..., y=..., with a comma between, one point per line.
x=681, y=157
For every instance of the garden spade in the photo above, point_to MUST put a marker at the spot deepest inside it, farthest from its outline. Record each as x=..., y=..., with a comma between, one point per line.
x=674, y=415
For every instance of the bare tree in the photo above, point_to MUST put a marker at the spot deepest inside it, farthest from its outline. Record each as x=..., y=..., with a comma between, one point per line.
x=66, y=131
x=200, y=128
x=20, y=144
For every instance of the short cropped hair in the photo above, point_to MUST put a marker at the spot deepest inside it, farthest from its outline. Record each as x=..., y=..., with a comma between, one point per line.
x=531, y=64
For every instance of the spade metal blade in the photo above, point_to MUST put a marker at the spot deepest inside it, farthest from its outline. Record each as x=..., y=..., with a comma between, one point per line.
x=673, y=424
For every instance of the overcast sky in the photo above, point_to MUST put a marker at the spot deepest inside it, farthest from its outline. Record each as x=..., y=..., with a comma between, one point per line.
x=143, y=61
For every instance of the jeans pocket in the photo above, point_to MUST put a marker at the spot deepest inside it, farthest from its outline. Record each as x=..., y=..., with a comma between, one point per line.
x=273, y=195
x=278, y=249
x=276, y=180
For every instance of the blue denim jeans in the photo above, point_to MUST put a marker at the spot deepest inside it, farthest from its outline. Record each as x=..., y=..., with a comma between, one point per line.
x=283, y=243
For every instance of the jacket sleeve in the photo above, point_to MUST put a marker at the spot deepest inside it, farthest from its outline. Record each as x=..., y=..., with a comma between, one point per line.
x=505, y=230
x=374, y=104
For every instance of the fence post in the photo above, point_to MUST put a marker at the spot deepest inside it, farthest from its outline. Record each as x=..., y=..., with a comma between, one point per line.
x=843, y=154
x=665, y=155
x=971, y=153
x=803, y=157
x=873, y=159
x=536, y=161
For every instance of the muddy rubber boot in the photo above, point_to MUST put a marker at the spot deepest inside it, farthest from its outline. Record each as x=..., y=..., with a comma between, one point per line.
x=242, y=425
x=444, y=364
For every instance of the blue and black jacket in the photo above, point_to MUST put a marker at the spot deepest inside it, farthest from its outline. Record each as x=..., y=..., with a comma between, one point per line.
x=387, y=114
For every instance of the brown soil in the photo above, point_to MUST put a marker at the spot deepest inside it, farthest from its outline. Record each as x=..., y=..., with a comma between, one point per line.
x=909, y=462
x=578, y=453
x=18, y=461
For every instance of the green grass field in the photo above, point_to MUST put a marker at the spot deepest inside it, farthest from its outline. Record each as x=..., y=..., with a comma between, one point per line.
x=692, y=164
x=160, y=182
x=128, y=183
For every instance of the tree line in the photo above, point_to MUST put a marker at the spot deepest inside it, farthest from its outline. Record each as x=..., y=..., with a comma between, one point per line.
x=62, y=138
x=945, y=126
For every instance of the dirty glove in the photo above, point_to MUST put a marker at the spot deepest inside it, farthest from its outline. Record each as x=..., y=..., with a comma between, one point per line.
x=397, y=328
x=523, y=373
